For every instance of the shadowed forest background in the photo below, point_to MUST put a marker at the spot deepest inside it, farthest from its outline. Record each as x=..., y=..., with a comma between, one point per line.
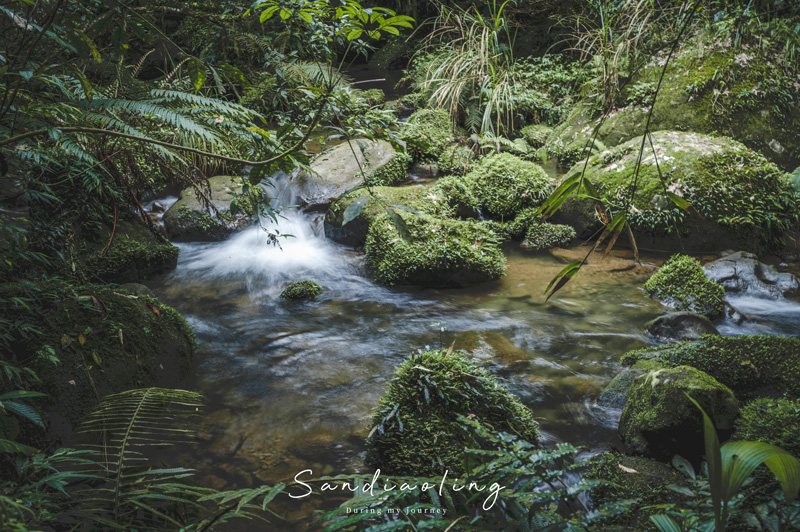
x=545, y=246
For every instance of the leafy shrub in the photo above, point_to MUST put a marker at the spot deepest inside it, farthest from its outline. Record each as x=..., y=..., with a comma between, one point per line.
x=681, y=283
x=416, y=427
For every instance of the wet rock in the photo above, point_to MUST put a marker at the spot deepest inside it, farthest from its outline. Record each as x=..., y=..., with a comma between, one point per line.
x=188, y=219
x=615, y=395
x=338, y=170
x=425, y=169
x=660, y=421
x=301, y=290
x=742, y=272
x=680, y=326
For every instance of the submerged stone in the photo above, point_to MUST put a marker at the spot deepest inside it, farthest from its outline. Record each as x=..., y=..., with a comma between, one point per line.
x=680, y=326
x=301, y=290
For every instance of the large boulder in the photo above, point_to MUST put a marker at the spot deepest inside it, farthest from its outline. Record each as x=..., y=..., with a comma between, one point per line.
x=106, y=339
x=427, y=133
x=434, y=252
x=680, y=326
x=747, y=94
x=418, y=198
x=615, y=395
x=415, y=429
x=126, y=252
x=752, y=366
x=336, y=171
x=190, y=219
x=660, y=421
x=680, y=283
x=739, y=198
x=742, y=272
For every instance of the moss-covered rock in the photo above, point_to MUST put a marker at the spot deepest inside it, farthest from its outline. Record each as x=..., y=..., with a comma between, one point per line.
x=680, y=326
x=633, y=477
x=107, y=340
x=615, y=395
x=421, y=199
x=438, y=252
x=743, y=199
x=301, y=290
x=134, y=253
x=681, y=283
x=415, y=427
x=748, y=94
x=547, y=236
x=660, y=421
x=458, y=194
x=392, y=173
x=504, y=184
x=188, y=219
x=372, y=96
x=536, y=134
x=752, y=366
x=427, y=133
x=773, y=421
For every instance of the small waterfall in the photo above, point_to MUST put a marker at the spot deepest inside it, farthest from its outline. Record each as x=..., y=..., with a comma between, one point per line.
x=266, y=264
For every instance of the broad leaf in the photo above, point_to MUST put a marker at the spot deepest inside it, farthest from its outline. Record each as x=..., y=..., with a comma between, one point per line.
x=355, y=208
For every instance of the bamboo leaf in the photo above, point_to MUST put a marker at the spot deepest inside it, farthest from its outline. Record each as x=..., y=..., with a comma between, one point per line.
x=562, y=278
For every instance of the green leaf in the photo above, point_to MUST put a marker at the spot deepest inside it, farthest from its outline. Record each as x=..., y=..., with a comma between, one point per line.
x=665, y=523
x=9, y=427
x=399, y=224
x=354, y=209
x=741, y=458
x=197, y=73
x=562, y=278
x=267, y=14
x=354, y=34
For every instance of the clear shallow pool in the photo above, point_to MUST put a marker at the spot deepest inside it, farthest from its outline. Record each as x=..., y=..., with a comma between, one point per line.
x=290, y=386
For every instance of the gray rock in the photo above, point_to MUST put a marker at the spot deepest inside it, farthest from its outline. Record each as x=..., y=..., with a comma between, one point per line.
x=742, y=272
x=189, y=220
x=337, y=171
x=425, y=169
x=615, y=395
x=680, y=326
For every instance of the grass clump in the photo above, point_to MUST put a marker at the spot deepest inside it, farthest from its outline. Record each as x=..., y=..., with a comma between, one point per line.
x=301, y=290
x=415, y=427
x=681, y=283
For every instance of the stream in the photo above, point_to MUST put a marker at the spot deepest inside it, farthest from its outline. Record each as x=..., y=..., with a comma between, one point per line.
x=290, y=386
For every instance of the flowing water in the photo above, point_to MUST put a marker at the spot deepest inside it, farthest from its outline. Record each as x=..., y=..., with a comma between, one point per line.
x=290, y=386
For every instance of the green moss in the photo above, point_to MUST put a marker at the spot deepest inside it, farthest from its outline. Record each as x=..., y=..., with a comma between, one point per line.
x=547, y=236
x=504, y=184
x=750, y=365
x=773, y=421
x=458, y=194
x=300, y=290
x=681, y=284
x=659, y=419
x=536, y=134
x=634, y=477
x=373, y=96
x=107, y=340
x=427, y=133
x=439, y=252
x=392, y=173
x=415, y=427
x=134, y=254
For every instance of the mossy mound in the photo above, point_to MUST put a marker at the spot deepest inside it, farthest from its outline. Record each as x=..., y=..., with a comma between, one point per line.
x=392, y=173
x=749, y=95
x=743, y=199
x=415, y=427
x=188, y=219
x=301, y=290
x=504, y=184
x=420, y=199
x=438, y=252
x=752, y=366
x=615, y=395
x=773, y=421
x=134, y=254
x=633, y=477
x=107, y=340
x=536, y=134
x=682, y=284
x=458, y=193
x=427, y=133
x=660, y=421
x=548, y=236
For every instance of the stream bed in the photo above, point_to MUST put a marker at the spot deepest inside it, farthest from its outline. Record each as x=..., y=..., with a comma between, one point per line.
x=290, y=386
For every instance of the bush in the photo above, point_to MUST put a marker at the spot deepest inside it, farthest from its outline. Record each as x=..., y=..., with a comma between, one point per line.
x=300, y=290
x=439, y=252
x=681, y=283
x=415, y=427
x=751, y=366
